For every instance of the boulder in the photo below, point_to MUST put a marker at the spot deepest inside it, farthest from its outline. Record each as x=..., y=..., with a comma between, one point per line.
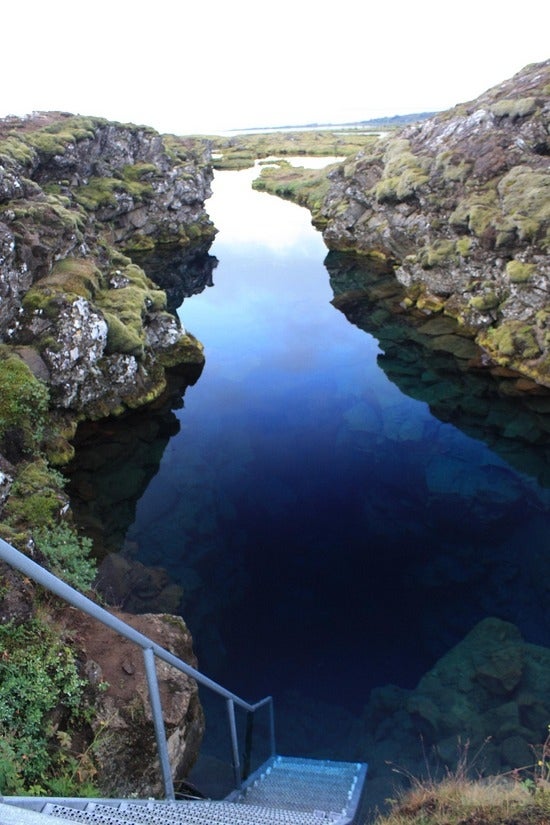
x=124, y=746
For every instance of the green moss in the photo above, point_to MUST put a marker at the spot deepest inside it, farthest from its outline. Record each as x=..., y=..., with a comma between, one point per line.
x=486, y=301
x=101, y=192
x=519, y=272
x=138, y=171
x=15, y=149
x=525, y=195
x=404, y=173
x=477, y=212
x=123, y=336
x=437, y=254
x=307, y=187
x=69, y=278
x=463, y=246
x=512, y=341
x=453, y=169
x=430, y=303
x=514, y=108
x=50, y=212
x=36, y=497
x=125, y=310
x=49, y=144
x=187, y=351
x=23, y=406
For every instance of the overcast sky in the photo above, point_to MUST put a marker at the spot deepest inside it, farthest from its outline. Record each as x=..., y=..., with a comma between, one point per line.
x=200, y=66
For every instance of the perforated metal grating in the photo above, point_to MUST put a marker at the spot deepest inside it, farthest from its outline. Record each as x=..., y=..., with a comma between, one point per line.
x=189, y=813
x=305, y=785
x=285, y=791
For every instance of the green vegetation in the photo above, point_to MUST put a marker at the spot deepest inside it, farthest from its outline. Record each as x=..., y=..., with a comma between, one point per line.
x=24, y=403
x=241, y=151
x=36, y=497
x=69, y=279
x=457, y=801
x=307, y=187
x=68, y=555
x=521, y=797
x=101, y=192
x=519, y=272
x=404, y=173
x=42, y=702
x=125, y=308
x=512, y=342
x=514, y=108
x=437, y=253
x=525, y=195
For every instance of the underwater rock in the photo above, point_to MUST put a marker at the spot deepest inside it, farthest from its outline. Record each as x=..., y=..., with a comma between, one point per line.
x=489, y=695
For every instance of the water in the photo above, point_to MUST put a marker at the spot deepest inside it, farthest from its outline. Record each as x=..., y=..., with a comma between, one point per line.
x=339, y=500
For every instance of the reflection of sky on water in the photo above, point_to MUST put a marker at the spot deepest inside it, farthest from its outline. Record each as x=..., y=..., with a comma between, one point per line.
x=310, y=509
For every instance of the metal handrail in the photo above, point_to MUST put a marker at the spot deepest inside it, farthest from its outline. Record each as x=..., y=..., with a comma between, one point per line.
x=150, y=649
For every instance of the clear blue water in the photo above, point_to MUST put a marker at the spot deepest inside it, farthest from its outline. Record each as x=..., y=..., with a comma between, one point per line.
x=328, y=528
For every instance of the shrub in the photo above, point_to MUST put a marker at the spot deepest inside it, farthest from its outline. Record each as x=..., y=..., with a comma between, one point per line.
x=68, y=555
x=38, y=675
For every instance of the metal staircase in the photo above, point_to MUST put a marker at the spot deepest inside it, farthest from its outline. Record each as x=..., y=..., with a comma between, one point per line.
x=283, y=791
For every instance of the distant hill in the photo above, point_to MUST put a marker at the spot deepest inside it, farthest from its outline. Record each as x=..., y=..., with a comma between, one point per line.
x=374, y=123
x=395, y=120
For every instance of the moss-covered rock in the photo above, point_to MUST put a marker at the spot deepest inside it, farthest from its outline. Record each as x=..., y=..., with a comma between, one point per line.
x=461, y=204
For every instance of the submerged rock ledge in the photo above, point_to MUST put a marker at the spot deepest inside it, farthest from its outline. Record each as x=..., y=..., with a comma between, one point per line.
x=77, y=197
x=459, y=205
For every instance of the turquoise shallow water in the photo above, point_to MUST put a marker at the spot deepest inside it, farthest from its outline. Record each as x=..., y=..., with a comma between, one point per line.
x=336, y=503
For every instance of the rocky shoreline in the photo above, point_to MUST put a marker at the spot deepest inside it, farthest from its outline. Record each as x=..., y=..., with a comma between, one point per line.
x=86, y=334
x=458, y=206
x=77, y=197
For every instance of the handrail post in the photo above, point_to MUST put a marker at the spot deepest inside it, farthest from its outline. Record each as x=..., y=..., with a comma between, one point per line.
x=44, y=578
x=272, y=727
x=248, y=743
x=158, y=722
x=234, y=743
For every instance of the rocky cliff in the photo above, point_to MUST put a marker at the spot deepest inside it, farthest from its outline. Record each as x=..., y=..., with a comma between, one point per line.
x=460, y=206
x=77, y=197
x=85, y=333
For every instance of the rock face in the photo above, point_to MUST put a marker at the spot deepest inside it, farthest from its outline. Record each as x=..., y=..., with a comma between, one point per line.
x=459, y=205
x=487, y=701
x=77, y=197
x=123, y=725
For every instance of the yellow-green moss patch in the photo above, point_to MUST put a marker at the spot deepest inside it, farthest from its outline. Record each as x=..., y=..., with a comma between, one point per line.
x=519, y=272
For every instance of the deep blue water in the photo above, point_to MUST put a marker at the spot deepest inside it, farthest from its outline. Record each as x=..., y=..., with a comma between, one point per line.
x=329, y=527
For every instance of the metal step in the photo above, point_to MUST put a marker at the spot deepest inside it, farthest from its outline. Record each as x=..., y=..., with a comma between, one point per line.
x=284, y=791
x=187, y=813
x=305, y=785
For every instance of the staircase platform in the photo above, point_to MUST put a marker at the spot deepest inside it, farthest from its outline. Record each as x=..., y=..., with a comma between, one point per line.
x=284, y=791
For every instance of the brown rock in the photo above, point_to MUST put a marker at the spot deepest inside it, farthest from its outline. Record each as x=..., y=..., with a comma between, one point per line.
x=125, y=744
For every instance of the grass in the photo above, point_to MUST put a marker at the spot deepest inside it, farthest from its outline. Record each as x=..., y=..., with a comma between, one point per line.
x=241, y=151
x=307, y=187
x=457, y=800
x=521, y=797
